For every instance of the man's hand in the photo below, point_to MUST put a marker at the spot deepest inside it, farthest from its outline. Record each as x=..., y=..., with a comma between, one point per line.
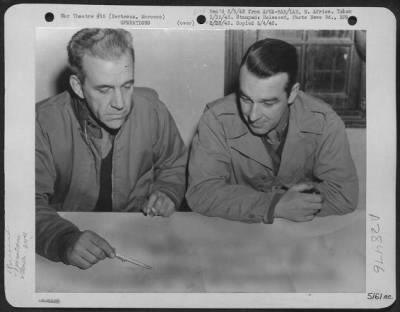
x=88, y=249
x=159, y=204
x=298, y=206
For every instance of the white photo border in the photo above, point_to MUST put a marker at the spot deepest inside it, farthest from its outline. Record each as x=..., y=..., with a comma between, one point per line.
x=21, y=23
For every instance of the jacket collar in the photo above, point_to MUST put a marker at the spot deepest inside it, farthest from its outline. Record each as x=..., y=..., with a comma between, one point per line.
x=301, y=121
x=86, y=121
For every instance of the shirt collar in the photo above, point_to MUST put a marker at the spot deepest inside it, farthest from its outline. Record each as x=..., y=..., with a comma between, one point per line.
x=87, y=123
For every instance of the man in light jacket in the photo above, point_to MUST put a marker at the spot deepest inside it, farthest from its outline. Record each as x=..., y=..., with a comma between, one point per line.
x=104, y=146
x=269, y=150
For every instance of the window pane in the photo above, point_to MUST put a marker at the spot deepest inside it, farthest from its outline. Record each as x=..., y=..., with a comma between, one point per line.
x=326, y=68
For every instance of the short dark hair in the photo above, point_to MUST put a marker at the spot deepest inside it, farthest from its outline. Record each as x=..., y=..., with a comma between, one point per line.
x=104, y=43
x=268, y=57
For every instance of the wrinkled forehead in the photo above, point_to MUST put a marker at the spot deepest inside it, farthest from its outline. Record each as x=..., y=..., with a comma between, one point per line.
x=111, y=70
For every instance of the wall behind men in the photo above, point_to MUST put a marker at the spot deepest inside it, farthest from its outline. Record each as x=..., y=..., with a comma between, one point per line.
x=186, y=68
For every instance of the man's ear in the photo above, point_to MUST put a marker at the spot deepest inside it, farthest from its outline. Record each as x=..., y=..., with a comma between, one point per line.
x=76, y=85
x=294, y=92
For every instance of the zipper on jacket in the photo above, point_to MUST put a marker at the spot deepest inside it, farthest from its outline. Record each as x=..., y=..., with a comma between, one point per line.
x=114, y=156
x=91, y=152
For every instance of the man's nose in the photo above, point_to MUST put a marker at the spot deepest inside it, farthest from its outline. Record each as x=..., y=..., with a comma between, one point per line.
x=118, y=100
x=253, y=115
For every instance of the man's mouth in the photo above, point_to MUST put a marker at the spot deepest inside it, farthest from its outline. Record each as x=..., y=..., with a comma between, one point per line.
x=256, y=124
x=116, y=117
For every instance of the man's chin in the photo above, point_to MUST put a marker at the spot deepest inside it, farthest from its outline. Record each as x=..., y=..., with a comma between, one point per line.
x=114, y=125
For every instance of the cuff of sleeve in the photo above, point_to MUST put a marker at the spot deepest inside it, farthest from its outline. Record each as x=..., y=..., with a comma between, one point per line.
x=269, y=216
x=61, y=242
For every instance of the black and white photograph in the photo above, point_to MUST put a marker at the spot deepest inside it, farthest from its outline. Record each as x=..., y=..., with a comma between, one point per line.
x=228, y=161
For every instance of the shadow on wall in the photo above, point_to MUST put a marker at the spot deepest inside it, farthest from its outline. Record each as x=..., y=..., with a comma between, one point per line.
x=62, y=82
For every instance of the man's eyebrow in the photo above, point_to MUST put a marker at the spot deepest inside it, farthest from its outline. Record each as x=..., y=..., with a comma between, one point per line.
x=273, y=99
x=104, y=86
x=132, y=81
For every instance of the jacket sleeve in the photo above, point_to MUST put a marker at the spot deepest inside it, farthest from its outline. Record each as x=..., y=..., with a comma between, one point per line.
x=335, y=170
x=211, y=191
x=169, y=157
x=52, y=231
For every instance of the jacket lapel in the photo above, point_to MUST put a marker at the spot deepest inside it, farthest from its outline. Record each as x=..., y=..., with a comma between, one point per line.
x=294, y=151
x=299, y=145
x=250, y=145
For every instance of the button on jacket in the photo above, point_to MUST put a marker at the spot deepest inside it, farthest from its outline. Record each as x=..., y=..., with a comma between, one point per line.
x=148, y=155
x=231, y=173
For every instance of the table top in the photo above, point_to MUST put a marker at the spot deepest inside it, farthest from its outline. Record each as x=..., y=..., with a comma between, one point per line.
x=194, y=253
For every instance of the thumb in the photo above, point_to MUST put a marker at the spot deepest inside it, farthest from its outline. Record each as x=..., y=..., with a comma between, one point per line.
x=301, y=187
